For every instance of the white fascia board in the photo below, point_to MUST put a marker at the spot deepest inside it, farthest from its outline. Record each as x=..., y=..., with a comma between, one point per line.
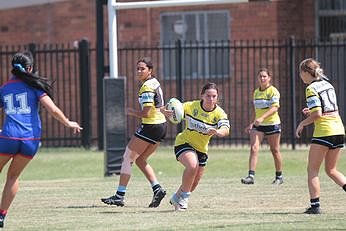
x=169, y=3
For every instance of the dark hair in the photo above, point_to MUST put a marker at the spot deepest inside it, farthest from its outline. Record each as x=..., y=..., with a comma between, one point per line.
x=147, y=61
x=209, y=86
x=264, y=70
x=21, y=63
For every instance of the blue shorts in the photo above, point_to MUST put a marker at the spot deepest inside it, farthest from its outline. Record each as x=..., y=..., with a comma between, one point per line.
x=26, y=148
x=202, y=157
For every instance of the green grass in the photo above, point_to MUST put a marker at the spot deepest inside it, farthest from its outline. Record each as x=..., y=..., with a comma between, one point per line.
x=61, y=190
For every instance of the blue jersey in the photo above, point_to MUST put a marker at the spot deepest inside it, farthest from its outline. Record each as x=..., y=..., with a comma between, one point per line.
x=20, y=102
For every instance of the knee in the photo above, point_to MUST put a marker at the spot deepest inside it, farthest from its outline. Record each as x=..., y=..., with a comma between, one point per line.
x=254, y=149
x=192, y=168
x=129, y=157
x=140, y=161
x=330, y=172
x=275, y=151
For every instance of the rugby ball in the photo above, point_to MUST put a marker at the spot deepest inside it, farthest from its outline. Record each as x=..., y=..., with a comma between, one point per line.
x=178, y=111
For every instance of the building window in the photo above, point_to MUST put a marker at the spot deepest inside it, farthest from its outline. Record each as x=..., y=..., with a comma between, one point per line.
x=331, y=18
x=204, y=43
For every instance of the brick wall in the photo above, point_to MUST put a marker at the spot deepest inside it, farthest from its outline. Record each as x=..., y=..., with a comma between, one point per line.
x=71, y=20
x=48, y=23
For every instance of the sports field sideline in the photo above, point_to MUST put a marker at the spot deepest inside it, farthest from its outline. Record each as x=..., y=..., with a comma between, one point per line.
x=61, y=190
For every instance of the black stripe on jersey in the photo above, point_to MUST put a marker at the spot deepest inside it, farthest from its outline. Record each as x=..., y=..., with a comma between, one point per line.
x=201, y=120
x=314, y=107
x=196, y=131
x=148, y=92
x=310, y=96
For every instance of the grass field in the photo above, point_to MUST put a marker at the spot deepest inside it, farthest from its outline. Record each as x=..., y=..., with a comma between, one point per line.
x=61, y=190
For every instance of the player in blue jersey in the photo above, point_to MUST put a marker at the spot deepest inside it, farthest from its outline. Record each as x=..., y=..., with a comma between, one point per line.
x=21, y=129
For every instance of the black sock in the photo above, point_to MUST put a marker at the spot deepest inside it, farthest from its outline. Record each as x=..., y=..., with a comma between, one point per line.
x=278, y=174
x=156, y=187
x=344, y=187
x=315, y=202
x=120, y=194
x=251, y=173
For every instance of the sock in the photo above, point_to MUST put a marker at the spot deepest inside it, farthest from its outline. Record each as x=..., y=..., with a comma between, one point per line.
x=252, y=173
x=315, y=202
x=278, y=174
x=156, y=187
x=121, y=191
x=185, y=194
x=344, y=187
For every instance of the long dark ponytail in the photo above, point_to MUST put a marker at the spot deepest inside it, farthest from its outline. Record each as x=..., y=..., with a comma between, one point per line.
x=21, y=63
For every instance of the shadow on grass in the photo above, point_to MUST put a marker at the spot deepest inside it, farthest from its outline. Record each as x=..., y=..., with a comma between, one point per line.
x=134, y=212
x=117, y=209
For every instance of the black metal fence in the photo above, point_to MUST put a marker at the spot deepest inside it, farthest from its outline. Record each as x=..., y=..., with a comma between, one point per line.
x=183, y=68
x=69, y=67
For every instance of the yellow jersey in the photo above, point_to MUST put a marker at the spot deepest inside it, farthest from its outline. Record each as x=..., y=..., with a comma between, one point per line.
x=197, y=123
x=320, y=95
x=265, y=99
x=150, y=94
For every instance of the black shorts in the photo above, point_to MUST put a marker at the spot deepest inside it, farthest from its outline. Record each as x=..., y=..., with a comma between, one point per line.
x=152, y=133
x=332, y=142
x=202, y=157
x=268, y=129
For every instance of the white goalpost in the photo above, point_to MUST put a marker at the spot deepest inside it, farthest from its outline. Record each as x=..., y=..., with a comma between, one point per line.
x=114, y=6
x=114, y=89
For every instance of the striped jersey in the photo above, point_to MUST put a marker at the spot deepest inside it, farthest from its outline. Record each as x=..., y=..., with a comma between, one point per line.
x=20, y=103
x=265, y=99
x=197, y=123
x=320, y=95
x=150, y=94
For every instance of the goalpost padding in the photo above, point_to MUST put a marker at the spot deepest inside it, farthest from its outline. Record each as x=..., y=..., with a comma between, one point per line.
x=114, y=124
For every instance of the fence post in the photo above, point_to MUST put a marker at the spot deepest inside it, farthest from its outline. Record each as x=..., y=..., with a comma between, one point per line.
x=293, y=89
x=84, y=79
x=179, y=75
x=32, y=49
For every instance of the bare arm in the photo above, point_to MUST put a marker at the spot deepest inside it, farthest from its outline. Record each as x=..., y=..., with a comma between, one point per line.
x=221, y=132
x=52, y=109
x=139, y=113
x=309, y=120
x=268, y=113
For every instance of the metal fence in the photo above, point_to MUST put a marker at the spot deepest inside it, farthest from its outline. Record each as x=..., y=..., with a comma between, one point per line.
x=69, y=67
x=182, y=68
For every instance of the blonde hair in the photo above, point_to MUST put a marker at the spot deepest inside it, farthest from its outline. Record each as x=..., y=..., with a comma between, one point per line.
x=313, y=67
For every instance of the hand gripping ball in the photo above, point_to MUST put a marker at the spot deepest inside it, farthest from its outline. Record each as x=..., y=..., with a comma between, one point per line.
x=178, y=111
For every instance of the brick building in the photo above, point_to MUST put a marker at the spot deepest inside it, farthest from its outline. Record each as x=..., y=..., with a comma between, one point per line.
x=66, y=21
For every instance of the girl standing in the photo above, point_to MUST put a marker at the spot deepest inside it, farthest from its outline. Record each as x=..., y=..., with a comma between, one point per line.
x=328, y=137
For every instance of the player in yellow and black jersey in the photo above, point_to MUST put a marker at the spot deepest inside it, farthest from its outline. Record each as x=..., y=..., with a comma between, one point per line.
x=147, y=137
x=203, y=119
x=329, y=132
x=266, y=100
